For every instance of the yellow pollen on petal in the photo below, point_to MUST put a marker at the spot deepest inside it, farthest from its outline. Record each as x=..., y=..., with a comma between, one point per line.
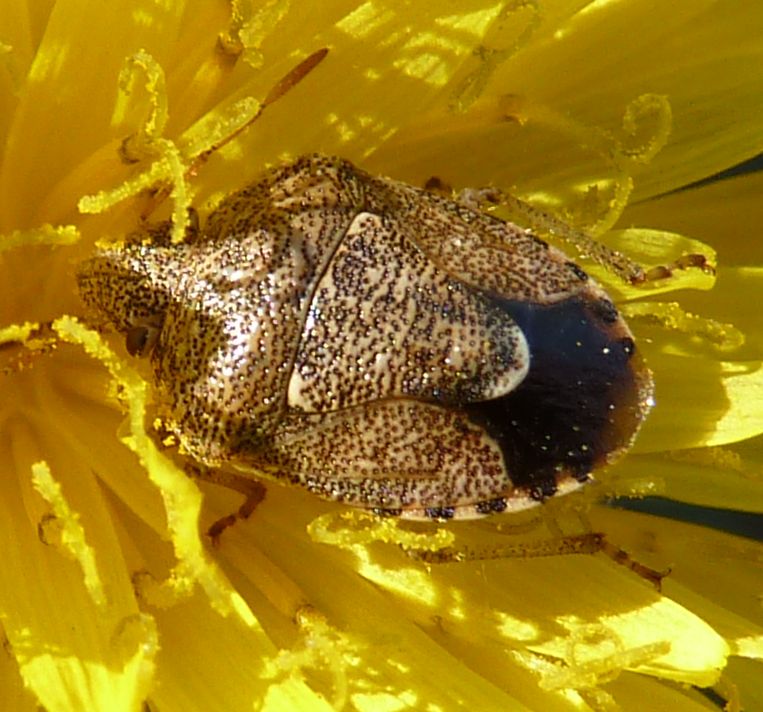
x=343, y=128
x=712, y=457
x=217, y=125
x=175, y=162
x=661, y=638
x=743, y=383
x=749, y=647
x=354, y=530
x=265, y=17
x=72, y=535
x=424, y=65
x=385, y=702
x=511, y=627
x=646, y=126
x=169, y=168
x=250, y=25
x=322, y=647
x=350, y=529
x=17, y=333
x=518, y=33
x=478, y=22
x=35, y=339
x=670, y=315
x=647, y=123
x=365, y=19
x=43, y=235
x=409, y=583
x=596, y=655
x=155, y=119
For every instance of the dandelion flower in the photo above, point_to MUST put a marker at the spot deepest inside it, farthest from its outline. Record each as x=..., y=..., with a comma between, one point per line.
x=609, y=115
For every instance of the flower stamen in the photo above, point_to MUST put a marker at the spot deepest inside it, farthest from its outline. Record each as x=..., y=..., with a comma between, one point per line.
x=72, y=534
x=249, y=27
x=670, y=315
x=490, y=58
x=47, y=234
x=182, y=499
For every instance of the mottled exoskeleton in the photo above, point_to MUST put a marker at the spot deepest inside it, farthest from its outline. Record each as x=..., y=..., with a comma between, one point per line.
x=376, y=344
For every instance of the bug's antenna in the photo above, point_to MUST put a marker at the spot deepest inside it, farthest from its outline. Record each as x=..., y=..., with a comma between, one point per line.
x=293, y=77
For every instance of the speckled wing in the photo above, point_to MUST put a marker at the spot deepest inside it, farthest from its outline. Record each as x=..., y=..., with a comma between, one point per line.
x=385, y=321
x=484, y=252
x=393, y=455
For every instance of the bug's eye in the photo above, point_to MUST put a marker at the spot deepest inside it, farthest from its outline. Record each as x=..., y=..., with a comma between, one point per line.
x=139, y=339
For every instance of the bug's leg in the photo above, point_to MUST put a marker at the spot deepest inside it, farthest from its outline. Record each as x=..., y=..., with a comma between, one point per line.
x=622, y=557
x=618, y=263
x=588, y=543
x=253, y=491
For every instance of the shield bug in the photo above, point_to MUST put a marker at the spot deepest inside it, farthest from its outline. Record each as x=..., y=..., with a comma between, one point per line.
x=376, y=344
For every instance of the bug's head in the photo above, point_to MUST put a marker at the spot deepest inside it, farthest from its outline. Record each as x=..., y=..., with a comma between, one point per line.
x=130, y=286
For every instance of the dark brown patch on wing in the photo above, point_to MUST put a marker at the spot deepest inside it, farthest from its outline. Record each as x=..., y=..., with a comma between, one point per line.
x=581, y=402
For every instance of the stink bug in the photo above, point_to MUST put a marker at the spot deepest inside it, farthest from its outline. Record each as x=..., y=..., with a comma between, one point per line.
x=377, y=344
